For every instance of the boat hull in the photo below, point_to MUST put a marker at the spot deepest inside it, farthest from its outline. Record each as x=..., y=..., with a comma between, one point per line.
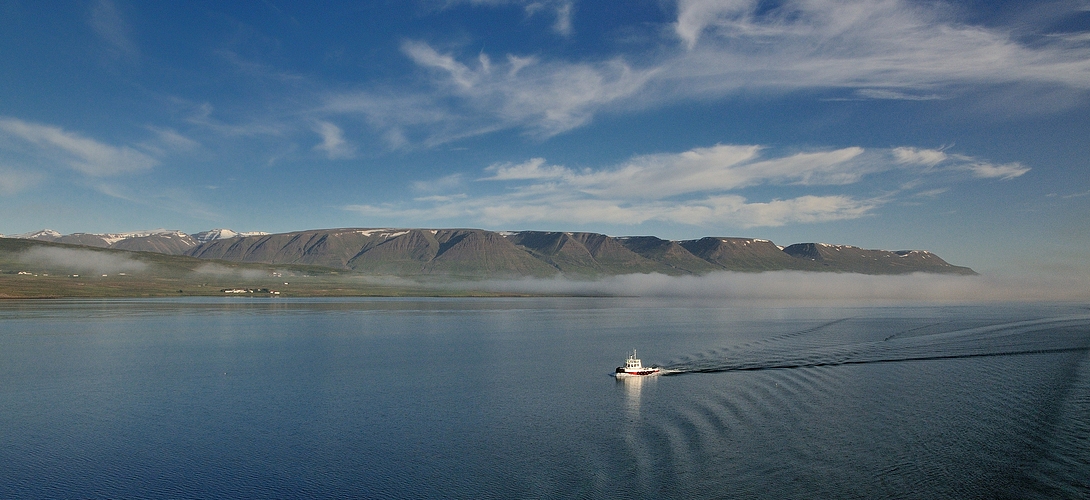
x=641, y=373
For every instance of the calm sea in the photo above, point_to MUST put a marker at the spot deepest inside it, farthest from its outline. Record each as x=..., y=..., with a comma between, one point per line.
x=513, y=398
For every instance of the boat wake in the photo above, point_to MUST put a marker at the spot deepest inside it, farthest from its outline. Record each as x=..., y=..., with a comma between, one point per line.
x=787, y=351
x=951, y=404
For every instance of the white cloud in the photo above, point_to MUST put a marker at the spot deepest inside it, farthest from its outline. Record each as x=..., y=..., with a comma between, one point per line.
x=333, y=142
x=990, y=171
x=872, y=49
x=202, y=115
x=698, y=187
x=562, y=8
x=716, y=168
x=884, y=48
x=914, y=156
x=531, y=169
x=166, y=141
x=804, y=209
x=695, y=16
x=85, y=155
x=173, y=139
x=931, y=193
x=727, y=210
x=563, y=26
x=460, y=74
x=895, y=95
x=405, y=118
x=546, y=98
x=687, y=188
x=978, y=168
x=443, y=183
x=470, y=99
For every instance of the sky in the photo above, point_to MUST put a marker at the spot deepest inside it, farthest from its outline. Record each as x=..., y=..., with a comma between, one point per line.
x=960, y=128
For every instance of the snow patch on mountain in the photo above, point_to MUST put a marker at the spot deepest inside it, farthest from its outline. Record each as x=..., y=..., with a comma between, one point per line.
x=44, y=234
x=222, y=234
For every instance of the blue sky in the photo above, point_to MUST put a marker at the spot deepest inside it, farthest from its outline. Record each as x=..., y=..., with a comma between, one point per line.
x=961, y=128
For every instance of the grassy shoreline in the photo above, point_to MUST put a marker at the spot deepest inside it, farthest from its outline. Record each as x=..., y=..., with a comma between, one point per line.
x=67, y=287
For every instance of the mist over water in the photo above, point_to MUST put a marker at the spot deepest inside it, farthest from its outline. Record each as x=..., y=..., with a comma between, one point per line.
x=803, y=286
x=513, y=398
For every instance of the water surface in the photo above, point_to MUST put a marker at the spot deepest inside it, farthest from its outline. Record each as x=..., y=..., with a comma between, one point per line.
x=512, y=398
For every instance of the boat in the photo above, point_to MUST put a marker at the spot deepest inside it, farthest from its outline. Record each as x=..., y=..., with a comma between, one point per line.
x=634, y=368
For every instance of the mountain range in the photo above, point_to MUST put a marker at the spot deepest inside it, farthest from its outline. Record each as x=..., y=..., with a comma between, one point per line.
x=481, y=253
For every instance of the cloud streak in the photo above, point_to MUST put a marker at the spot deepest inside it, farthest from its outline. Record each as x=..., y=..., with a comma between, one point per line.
x=333, y=143
x=14, y=181
x=84, y=155
x=546, y=98
x=699, y=187
x=873, y=49
x=107, y=23
x=884, y=48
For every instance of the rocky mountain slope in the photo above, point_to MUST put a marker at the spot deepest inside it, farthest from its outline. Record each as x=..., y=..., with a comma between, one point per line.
x=480, y=253
x=475, y=252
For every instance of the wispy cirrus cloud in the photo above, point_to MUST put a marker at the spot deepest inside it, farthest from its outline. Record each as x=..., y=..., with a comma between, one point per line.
x=333, y=143
x=989, y=171
x=915, y=156
x=441, y=184
x=202, y=116
x=562, y=9
x=729, y=210
x=978, y=168
x=176, y=200
x=717, y=168
x=166, y=141
x=87, y=156
x=862, y=49
x=699, y=187
x=883, y=48
x=13, y=181
x=563, y=22
x=108, y=24
x=546, y=98
x=470, y=98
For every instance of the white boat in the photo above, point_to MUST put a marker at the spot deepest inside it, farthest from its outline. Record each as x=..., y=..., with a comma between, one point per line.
x=634, y=368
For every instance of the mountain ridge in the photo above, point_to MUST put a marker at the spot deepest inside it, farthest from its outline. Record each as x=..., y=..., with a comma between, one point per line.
x=504, y=254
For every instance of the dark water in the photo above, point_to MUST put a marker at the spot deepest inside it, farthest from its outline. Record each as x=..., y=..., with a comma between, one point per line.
x=512, y=398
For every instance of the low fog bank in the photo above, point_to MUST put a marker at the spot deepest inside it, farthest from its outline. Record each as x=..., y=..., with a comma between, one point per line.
x=231, y=272
x=800, y=285
x=84, y=261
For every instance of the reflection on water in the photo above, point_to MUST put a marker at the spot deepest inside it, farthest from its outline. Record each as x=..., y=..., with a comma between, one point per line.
x=633, y=386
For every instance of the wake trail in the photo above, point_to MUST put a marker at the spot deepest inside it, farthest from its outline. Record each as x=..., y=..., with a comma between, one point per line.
x=682, y=371
x=764, y=341
x=1040, y=336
